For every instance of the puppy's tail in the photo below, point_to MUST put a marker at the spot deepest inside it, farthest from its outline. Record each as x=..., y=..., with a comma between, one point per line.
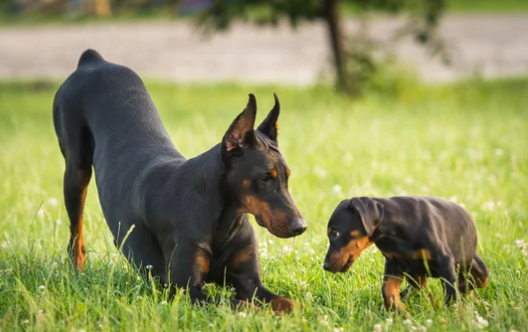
x=89, y=56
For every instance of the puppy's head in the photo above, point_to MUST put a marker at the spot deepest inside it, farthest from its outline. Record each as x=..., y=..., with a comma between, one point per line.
x=256, y=173
x=349, y=230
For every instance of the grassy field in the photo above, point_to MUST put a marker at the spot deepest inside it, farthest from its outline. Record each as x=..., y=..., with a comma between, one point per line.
x=466, y=142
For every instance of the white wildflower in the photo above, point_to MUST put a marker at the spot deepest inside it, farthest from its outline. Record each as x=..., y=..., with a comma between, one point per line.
x=337, y=189
x=42, y=287
x=287, y=250
x=429, y=322
x=377, y=328
x=488, y=206
x=407, y=322
x=163, y=302
x=139, y=297
x=423, y=328
x=52, y=202
x=148, y=267
x=41, y=213
x=521, y=244
x=242, y=314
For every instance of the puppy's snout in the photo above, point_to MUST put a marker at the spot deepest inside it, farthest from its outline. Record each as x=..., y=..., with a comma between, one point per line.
x=326, y=266
x=297, y=227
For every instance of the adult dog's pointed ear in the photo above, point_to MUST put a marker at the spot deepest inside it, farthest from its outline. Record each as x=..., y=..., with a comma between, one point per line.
x=370, y=211
x=270, y=125
x=240, y=134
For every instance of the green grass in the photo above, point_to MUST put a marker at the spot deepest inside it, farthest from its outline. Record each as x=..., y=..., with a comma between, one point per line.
x=467, y=142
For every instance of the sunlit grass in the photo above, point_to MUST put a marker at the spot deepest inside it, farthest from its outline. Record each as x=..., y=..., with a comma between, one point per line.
x=466, y=142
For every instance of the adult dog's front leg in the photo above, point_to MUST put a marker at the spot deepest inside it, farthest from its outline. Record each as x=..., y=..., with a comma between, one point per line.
x=188, y=264
x=243, y=273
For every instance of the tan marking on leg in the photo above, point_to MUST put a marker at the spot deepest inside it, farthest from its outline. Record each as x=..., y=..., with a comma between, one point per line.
x=391, y=293
x=421, y=254
x=241, y=256
x=203, y=262
x=77, y=238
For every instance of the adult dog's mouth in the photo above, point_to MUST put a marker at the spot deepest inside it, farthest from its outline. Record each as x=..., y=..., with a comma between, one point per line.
x=274, y=228
x=260, y=222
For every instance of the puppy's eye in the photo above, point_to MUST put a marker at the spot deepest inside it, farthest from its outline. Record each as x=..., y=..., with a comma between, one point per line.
x=334, y=234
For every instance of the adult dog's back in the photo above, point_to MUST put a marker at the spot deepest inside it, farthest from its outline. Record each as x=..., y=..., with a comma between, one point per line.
x=105, y=118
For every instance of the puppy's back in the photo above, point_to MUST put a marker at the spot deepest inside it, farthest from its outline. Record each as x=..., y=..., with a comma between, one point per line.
x=441, y=221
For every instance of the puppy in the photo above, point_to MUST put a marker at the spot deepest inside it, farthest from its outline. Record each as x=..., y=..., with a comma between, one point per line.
x=420, y=237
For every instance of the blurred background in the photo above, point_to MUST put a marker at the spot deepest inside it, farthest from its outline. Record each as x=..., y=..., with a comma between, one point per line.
x=378, y=98
x=352, y=44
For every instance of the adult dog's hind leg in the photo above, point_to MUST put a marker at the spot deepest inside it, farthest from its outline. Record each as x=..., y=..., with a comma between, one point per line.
x=76, y=180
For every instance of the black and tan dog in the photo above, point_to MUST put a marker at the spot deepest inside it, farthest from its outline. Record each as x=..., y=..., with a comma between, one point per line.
x=420, y=237
x=187, y=218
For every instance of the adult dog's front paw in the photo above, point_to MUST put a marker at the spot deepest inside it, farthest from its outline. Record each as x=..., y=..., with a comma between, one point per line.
x=281, y=305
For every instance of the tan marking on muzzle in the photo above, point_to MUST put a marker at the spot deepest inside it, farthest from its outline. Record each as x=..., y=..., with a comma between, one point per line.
x=355, y=247
x=258, y=208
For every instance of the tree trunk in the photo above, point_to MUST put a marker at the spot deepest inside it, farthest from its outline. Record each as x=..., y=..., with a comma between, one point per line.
x=335, y=33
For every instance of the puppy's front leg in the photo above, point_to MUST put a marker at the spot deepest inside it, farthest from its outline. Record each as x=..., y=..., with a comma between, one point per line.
x=392, y=280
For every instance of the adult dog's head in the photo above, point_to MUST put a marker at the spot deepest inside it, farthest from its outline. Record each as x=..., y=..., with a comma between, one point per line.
x=257, y=174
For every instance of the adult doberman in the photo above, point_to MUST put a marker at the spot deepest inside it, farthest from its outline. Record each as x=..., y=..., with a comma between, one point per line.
x=185, y=219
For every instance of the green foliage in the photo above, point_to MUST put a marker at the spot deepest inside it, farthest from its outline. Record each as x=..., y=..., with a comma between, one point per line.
x=465, y=141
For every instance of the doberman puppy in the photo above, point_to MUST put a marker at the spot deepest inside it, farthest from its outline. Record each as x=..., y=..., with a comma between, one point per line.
x=420, y=237
x=185, y=219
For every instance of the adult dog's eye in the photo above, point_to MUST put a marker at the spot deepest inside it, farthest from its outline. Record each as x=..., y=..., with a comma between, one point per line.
x=266, y=178
x=334, y=234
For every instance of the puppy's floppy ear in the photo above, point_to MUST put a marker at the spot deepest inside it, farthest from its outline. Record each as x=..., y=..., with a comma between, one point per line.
x=270, y=125
x=370, y=211
x=240, y=134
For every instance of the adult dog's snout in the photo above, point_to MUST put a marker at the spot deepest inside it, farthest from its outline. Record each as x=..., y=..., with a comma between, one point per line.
x=297, y=227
